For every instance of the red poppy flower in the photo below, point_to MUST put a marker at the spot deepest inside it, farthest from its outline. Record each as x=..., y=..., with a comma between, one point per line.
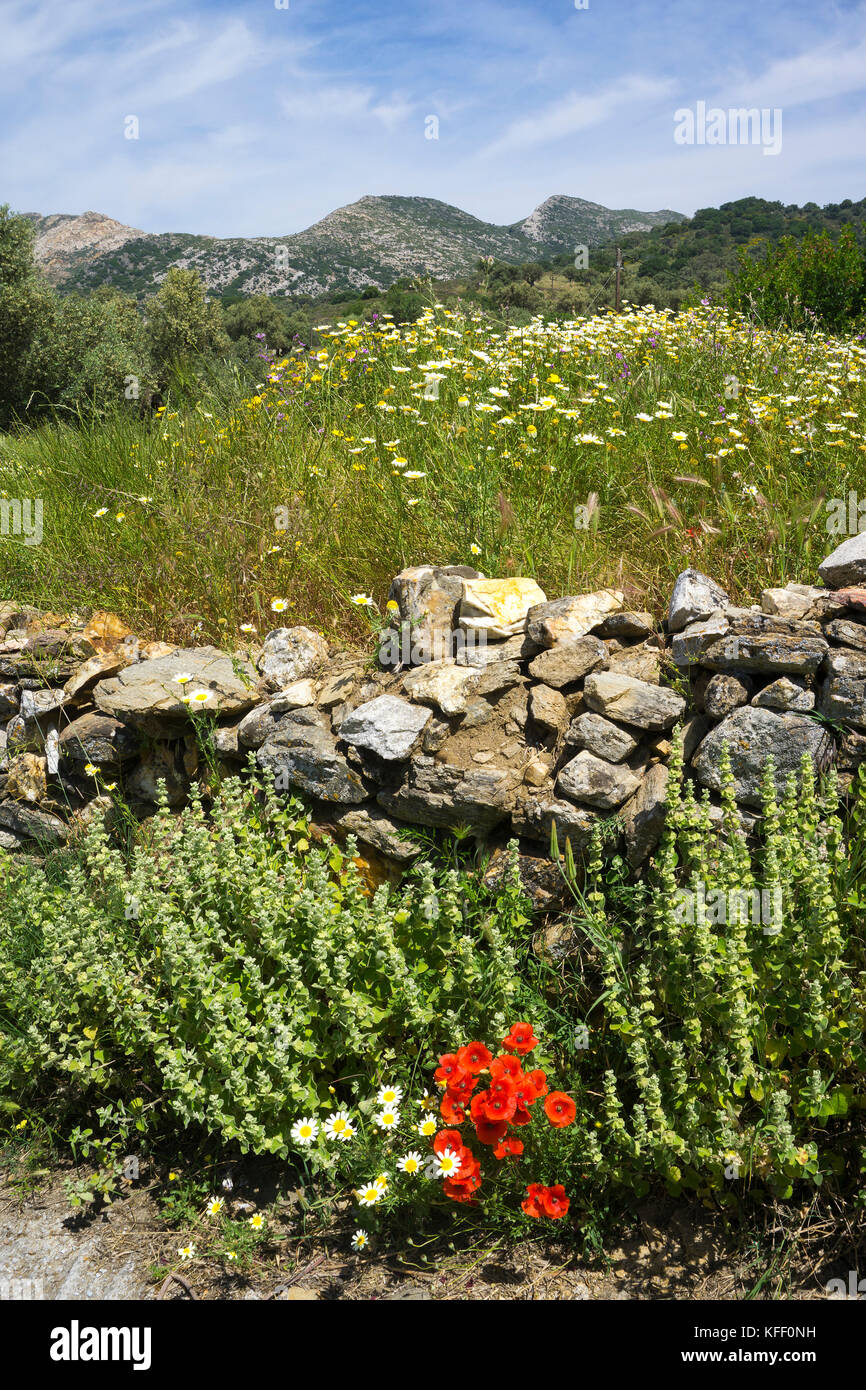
x=525, y=1093
x=474, y=1057
x=449, y=1068
x=521, y=1039
x=539, y=1081
x=477, y=1103
x=506, y=1066
x=531, y=1204
x=460, y=1191
x=490, y=1133
x=521, y=1117
x=461, y=1087
x=560, y=1109
x=508, y=1147
x=554, y=1202
x=451, y=1109
x=499, y=1105
x=447, y=1139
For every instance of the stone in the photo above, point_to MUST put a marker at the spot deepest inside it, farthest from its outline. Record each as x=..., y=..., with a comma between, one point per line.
x=31, y=824
x=52, y=752
x=627, y=624
x=772, y=653
x=498, y=676
x=301, y=751
x=290, y=654
x=752, y=736
x=98, y=739
x=94, y=669
x=548, y=709
x=478, y=711
x=336, y=689
x=557, y=941
x=568, y=662
x=785, y=694
x=644, y=816
x=10, y=842
x=595, y=782
x=535, y=818
x=536, y=772
x=226, y=742
x=159, y=765
x=540, y=878
x=689, y=645
x=852, y=750
x=39, y=704
x=483, y=653
x=298, y=695
x=599, y=736
x=725, y=693
x=255, y=727
x=644, y=662
x=794, y=601
x=372, y=826
x=564, y=619
x=148, y=696
x=853, y=598
x=847, y=633
x=442, y=794
x=428, y=599
x=27, y=780
x=105, y=632
x=842, y=692
x=438, y=731
x=695, y=596
x=846, y=566
x=388, y=726
x=623, y=698
x=693, y=730
x=443, y=684
x=8, y=698
x=498, y=606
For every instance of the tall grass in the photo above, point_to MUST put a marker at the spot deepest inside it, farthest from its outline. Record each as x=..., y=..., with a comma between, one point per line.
x=213, y=511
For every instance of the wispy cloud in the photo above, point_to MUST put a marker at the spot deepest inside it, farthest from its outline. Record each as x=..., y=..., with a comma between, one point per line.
x=576, y=112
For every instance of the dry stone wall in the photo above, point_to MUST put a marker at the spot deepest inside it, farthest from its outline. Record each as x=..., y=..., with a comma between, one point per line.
x=487, y=705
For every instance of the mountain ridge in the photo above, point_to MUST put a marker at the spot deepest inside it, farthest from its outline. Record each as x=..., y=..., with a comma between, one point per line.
x=372, y=242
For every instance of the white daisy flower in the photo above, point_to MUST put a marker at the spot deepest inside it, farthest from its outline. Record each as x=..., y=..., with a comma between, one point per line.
x=389, y=1095
x=360, y=1240
x=388, y=1118
x=370, y=1195
x=336, y=1124
x=410, y=1163
x=305, y=1131
x=428, y=1125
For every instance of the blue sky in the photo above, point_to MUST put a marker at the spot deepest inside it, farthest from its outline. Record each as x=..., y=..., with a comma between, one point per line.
x=259, y=120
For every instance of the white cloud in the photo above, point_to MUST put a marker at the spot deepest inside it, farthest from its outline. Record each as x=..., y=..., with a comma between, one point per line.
x=576, y=112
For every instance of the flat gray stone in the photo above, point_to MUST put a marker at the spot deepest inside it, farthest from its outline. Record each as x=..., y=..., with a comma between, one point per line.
x=643, y=817
x=752, y=736
x=548, y=708
x=387, y=726
x=725, y=692
x=785, y=694
x=442, y=794
x=634, y=702
x=568, y=662
x=688, y=646
x=148, y=696
x=99, y=739
x=599, y=736
x=301, y=751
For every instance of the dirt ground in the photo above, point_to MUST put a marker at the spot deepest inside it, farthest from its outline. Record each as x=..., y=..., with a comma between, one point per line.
x=673, y=1250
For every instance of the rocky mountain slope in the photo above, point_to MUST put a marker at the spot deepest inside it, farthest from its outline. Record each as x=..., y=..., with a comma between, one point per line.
x=374, y=241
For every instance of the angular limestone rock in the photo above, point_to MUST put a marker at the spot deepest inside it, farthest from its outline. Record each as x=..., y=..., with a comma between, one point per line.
x=387, y=726
x=599, y=736
x=301, y=751
x=846, y=566
x=568, y=661
x=442, y=794
x=443, y=684
x=428, y=598
x=643, y=817
x=548, y=708
x=290, y=654
x=498, y=606
x=564, y=619
x=595, y=782
x=694, y=596
x=634, y=702
x=785, y=694
x=752, y=735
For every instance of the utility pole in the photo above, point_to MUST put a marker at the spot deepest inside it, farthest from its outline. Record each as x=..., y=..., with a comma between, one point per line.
x=618, y=273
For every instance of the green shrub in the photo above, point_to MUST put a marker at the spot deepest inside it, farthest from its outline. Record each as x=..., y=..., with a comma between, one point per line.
x=229, y=973
x=799, y=283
